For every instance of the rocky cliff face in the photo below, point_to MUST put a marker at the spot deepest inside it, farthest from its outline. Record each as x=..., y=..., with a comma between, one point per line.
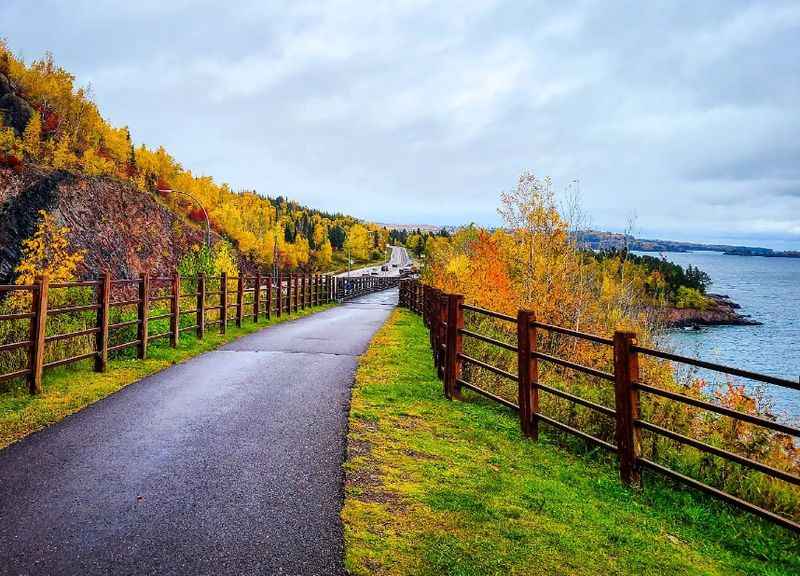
x=16, y=110
x=123, y=230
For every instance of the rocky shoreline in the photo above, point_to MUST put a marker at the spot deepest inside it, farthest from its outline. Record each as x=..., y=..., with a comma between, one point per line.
x=723, y=312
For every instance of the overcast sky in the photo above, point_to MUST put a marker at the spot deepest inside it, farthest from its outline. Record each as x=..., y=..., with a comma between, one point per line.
x=686, y=114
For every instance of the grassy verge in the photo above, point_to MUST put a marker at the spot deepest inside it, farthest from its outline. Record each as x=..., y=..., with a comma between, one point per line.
x=68, y=389
x=439, y=487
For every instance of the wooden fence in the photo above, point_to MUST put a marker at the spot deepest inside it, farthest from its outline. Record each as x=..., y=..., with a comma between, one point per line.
x=443, y=314
x=347, y=288
x=253, y=297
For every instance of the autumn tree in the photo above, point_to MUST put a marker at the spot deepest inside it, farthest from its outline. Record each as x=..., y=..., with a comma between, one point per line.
x=68, y=132
x=358, y=242
x=31, y=138
x=48, y=252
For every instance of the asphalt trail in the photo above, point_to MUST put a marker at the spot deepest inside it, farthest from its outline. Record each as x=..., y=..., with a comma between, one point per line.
x=230, y=463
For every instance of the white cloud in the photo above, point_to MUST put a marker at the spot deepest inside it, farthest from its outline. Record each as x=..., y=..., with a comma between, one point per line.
x=423, y=111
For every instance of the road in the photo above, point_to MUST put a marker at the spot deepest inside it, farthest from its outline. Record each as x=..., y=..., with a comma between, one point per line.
x=229, y=463
x=397, y=260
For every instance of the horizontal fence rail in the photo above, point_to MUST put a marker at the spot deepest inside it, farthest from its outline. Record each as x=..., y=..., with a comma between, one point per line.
x=215, y=301
x=443, y=315
x=347, y=288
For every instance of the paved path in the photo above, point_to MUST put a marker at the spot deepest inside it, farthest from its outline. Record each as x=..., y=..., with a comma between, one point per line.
x=398, y=259
x=229, y=463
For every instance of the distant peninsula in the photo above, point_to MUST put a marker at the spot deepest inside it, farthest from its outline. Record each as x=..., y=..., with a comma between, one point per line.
x=766, y=252
x=598, y=240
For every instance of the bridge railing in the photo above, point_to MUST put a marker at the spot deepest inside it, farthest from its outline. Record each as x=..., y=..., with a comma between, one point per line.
x=443, y=315
x=347, y=288
x=49, y=324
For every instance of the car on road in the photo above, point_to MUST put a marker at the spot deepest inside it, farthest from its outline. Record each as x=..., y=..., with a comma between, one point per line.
x=394, y=265
x=384, y=268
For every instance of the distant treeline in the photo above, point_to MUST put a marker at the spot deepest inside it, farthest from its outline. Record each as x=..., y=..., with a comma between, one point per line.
x=417, y=240
x=667, y=280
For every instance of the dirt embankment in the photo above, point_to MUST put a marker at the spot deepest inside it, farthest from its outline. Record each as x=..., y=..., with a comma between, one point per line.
x=723, y=311
x=123, y=230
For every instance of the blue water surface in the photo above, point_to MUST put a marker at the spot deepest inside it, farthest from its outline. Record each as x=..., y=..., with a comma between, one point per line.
x=768, y=289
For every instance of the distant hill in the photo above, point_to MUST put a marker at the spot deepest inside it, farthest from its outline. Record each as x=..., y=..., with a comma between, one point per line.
x=598, y=240
x=432, y=228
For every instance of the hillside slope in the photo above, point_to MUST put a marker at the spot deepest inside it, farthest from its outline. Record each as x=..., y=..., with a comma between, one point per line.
x=122, y=229
x=49, y=124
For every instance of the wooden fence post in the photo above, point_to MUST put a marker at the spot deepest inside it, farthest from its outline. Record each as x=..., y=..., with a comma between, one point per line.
x=279, y=294
x=289, y=293
x=303, y=292
x=527, y=374
x=425, y=318
x=38, y=332
x=240, y=300
x=628, y=434
x=296, y=293
x=101, y=336
x=175, y=311
x=143, y=314
x=223, y=303
x=455, y=323
x=256, y=297
x=269, y=297
x=442, y=310
x=201, y=305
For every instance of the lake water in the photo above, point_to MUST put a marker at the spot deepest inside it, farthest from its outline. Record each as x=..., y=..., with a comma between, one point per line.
x=768, y=289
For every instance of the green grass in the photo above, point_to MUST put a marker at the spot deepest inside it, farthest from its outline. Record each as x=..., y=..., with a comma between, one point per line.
x=69, y=389
x=452, y=488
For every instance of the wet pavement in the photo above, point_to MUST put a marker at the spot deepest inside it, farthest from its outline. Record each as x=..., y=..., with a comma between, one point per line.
x=229, y=463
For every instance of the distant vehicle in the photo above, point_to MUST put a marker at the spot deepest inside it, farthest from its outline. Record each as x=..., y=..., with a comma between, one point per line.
x=384, y=268
x=394, y=265
x=373, y=273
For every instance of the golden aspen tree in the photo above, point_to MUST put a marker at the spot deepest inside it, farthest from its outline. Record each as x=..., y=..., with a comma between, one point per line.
x=32, y=138
x=48, y=252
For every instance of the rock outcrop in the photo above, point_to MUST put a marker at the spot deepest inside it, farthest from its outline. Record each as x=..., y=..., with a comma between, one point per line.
x=15, y=110
x=122, y=229
x=723, y=311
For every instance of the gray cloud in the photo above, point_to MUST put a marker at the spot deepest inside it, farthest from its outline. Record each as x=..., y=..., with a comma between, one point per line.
x=685, y=113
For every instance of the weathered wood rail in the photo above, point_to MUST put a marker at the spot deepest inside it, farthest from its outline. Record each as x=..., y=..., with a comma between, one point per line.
x=347, y=288
x=443, y=315
x=216, y=302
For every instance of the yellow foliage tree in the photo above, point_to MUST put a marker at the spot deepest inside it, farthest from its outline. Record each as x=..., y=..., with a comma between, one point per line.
x=224, y=260
x=324, y=254
x=32, y=137
x=358, y=242
x=48, y=252
x=63, y=157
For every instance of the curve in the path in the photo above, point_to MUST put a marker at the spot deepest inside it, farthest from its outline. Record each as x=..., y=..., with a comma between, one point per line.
x=229, y=463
